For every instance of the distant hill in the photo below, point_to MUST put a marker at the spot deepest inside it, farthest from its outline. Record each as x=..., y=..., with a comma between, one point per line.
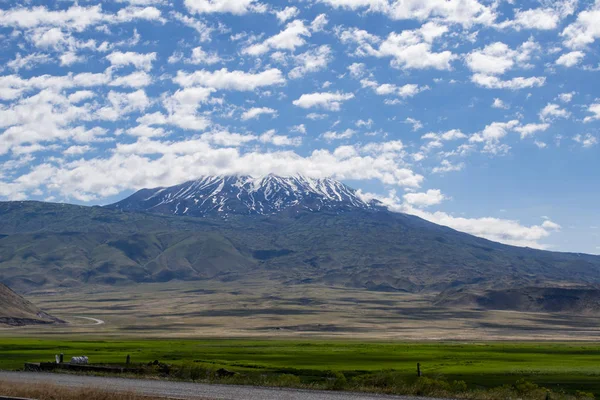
x=357, y=244
x=15, y=310
x=577, y=300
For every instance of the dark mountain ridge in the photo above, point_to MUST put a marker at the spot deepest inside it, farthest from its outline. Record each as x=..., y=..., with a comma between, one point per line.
x=46, y=244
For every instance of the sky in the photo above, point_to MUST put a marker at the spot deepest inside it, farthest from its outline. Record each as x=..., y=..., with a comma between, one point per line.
x=482, y=115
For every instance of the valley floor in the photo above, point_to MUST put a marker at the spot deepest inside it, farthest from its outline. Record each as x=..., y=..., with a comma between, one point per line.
x=262, y=310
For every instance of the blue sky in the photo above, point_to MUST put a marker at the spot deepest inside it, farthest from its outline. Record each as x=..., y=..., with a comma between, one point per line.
x=482, y=115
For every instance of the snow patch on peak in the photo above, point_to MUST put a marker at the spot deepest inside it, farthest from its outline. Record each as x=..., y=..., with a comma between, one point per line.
x=225, y=195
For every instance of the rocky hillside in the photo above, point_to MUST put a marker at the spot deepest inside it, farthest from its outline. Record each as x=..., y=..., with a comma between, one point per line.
x=15, y=310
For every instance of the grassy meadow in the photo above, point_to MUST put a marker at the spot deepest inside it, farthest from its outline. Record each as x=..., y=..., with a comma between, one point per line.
x=557, y=366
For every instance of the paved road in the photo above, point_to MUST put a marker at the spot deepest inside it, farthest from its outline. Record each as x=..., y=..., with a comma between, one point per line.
x=183, y=390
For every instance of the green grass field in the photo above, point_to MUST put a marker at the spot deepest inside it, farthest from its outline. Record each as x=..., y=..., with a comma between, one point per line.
x=553, y=365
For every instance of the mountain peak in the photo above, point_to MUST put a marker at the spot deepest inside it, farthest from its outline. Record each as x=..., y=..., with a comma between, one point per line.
x=246, y=195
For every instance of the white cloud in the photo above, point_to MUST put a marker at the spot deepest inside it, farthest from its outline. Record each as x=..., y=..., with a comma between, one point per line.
x=492, y=134
x=425, y=199
x=587, y=140
x=585, y=30
x=286, y=13
x=311, y=61
x=288, y=39
x=566, y=97
x=413, y=49
x=230, y=80
x=498, y=103
x=453, y=134
x=256, y=112
x=140, y=61
x=136, y=80
x=570, y=59
x=496, y=229
x=464, y=12
x=493, y=82
x=594, y=109
x=357, y=70
x=447, y=166
x=27, y=62
x=236, y=7
x=331, y=135
x=537, y=18
x=223, y=138
x=416, y=124
x=553, y=111
x=328, y=100
x=122, y=104
x=75, y=17
x=204, y=31
x=497, y=58
x=319, y=23
x=386, y=89
x=530, y=129
x=298, y=129
x=410, y=49
x=76, y=150
x=279, y=140
x=364, y=123
x=69, y=58
x=150, y=163
x=316, y=116
x=199, y=56
x=146, y=131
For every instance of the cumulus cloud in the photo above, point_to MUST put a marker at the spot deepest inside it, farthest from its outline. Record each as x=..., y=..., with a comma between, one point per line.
x=151, y=163
x=498, y=103
x=256, y=112
x=224, y=79
x=595, y=110
x=506, y=231
x=530, y=129
x=425, y=199
x=553, y=111
x=141, y=61
x=493, y=82
x=311, y=61
x=286, y=13
x=570, y=59
x=288, y=39
x=388, y=89
x=585, y=30
x=331, y=135
x=328, y=100
x=410, y=49
x=236, y=7
x=464, y=12
x=587, y=140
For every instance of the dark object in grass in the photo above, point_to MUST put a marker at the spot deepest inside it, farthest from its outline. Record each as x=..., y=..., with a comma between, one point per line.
x=224, y=373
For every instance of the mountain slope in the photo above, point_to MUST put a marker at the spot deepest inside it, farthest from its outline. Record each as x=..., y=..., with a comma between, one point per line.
x=15, y=310
x=245, y=195
x=47, y=244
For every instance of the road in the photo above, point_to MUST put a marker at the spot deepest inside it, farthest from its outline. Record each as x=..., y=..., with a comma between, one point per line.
x=94, y=320
x=184, y=390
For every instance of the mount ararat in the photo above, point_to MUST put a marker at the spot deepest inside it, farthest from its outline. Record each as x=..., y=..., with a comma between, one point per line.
x=286, y=230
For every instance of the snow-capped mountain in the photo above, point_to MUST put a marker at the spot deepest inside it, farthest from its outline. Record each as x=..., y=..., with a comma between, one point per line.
x=226, y=195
